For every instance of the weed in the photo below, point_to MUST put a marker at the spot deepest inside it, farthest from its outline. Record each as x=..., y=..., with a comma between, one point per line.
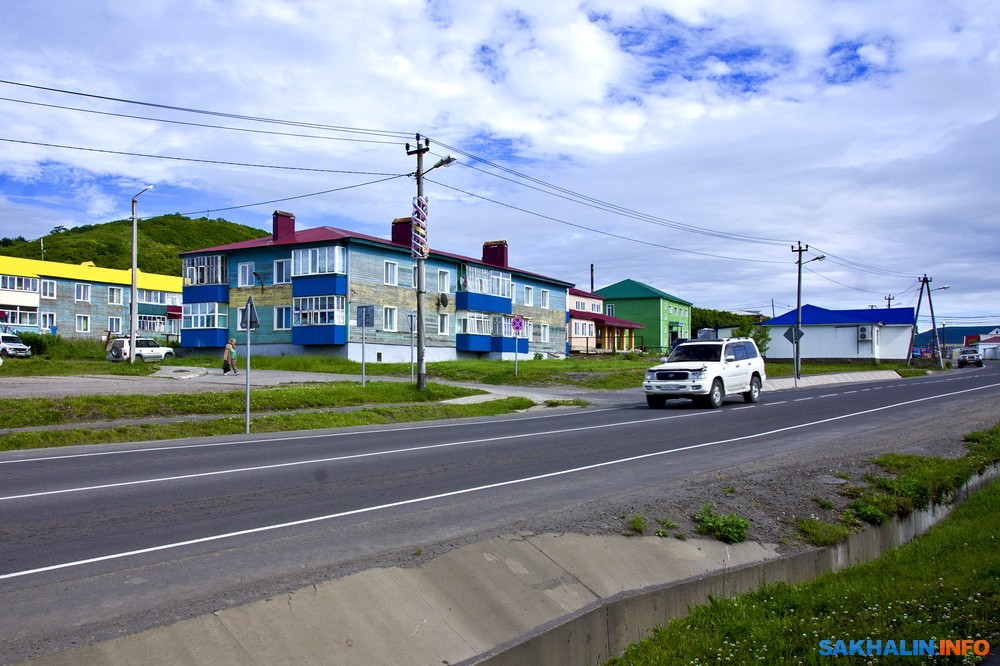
x=729, y=528
x=418, y=552
x=823, y=503
x=668, y=524
x=638, y=523
x=729, y=490
x=820, y=533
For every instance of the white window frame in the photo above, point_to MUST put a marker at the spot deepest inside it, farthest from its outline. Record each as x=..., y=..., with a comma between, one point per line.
x=444, y=280
x=543, y=299
x=609, y=309
x=444, y=323
x=244, y=274
x=115, y=325
x=282, y=272
x=83, y=323
x=390, y=273
x=543, y=332
x=82, y=294
x=204, y=316
x=279, y=317
x=48, y=289
x=47, y=320
x=529, y=296
x=239, y=318
x=112, y=291
x=475, y=323
x=390, y=321
x=319, y=310
x=319, y=260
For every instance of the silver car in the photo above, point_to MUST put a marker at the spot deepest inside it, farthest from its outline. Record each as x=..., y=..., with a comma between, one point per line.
x=969, y=356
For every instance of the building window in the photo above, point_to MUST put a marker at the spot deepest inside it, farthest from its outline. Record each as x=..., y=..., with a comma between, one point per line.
x=282, y=318
x=475, y=323
x=529, y=295
x=444, y=281
x=283, y=271
x=212, y=269
x=545, y=298
x=205, y=315
x=580, y=305
x=115, y=295
x=319, y=260
x=240, y=313
x=152, y=296
x=82, y=293
x=389, y=273
x=15, y=283
x=543, y=332
x=48, y=321
x=115, y=325
x=152, y=323
x=48, y=288
x=529, y=330
x=485, y=281
x=244, y=274
x=14, y=315
x=388, y=319
x=318, y=310
x=595, y=307
x=609, y=309
x=83, y=323
x=444, y=325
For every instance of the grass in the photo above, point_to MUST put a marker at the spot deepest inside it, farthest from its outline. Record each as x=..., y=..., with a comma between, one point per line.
x=260, y=424
x=27, y=412
x=945, y=584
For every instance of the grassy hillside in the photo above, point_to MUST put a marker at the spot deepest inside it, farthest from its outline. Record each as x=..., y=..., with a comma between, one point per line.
x=109, y=245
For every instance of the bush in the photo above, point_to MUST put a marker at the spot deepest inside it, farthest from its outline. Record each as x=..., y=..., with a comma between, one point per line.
x=730, y=528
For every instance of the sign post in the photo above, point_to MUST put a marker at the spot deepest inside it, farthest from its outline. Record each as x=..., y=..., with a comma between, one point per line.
x=366, y=319
x=516, y=324
x=248, y=322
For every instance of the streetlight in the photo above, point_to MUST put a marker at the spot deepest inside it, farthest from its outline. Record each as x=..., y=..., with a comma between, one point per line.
x=798, y=310
x=420, y=248
x=133, y=320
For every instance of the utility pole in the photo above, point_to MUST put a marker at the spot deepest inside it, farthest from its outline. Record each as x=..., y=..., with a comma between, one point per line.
x=797, y=336
x=930, y=304
x=889, y=299
x=420, y=249
x=916, y=317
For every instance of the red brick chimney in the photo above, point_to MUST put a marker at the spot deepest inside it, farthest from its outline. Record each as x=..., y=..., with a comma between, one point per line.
x=283, y=225
x=495, y=253
x=401, y=230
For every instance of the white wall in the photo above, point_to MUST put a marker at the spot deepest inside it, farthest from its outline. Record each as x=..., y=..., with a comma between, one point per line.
x=890, y=342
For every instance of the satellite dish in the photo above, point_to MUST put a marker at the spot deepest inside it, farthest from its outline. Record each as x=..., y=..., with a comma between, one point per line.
x=443, y=300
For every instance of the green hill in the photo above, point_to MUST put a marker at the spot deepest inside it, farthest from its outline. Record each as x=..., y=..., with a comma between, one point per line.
x=109, y=245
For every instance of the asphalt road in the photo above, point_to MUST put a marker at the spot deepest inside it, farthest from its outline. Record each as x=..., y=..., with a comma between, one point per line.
x=99, y=541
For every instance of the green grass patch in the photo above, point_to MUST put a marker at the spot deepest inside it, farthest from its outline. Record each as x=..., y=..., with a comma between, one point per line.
x=27, y=412
x=261, y=424
x=728, y=528
x=945, y=585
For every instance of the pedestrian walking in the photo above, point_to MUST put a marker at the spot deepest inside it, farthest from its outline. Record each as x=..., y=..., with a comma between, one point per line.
x=229, y=358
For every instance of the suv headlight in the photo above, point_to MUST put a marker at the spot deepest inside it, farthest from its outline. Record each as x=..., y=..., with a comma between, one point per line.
x=650, y=375
x=698, y=374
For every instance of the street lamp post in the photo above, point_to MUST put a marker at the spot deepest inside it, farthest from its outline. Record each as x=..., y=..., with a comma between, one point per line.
x=797, y=336
x=421, y=249
x=133, y=320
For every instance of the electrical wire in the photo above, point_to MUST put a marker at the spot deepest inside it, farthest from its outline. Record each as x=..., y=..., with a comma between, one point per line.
x=192, y=159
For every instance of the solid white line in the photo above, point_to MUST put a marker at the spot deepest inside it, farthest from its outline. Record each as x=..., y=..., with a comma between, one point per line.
x=466, y=491
x=209, y=445
x=352, y=456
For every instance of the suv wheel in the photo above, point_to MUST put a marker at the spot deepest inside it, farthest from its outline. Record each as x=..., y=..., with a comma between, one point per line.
x=714, y=397
x=753, y=395
x=656, y=401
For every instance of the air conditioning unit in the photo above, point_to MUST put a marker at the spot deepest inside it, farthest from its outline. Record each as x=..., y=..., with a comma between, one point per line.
x=865, y=332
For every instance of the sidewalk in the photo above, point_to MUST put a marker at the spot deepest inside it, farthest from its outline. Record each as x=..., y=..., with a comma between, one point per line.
x=453, y=609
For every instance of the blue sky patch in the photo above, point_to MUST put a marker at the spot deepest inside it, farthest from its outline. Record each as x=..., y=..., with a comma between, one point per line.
x=855, y=60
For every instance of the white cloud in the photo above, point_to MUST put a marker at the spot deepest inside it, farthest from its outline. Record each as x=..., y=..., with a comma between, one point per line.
x=865, y=129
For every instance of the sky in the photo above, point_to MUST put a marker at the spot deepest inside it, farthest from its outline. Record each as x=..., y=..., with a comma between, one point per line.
x=691, y=145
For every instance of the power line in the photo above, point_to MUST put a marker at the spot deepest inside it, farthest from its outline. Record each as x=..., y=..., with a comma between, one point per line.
x=192, y=159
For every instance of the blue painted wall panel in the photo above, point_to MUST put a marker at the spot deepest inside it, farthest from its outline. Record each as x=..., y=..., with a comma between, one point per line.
x=206, y=293
x=319, y=285
x=507, y=345
x=467, y=300
x=204, y=337
x=319, y=335
x=473, y=343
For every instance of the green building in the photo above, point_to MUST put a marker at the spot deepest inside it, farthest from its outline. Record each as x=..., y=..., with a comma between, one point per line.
x=665, y=317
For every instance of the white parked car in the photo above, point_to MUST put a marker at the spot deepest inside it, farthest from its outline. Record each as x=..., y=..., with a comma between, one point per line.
x=707, y=371
x=11, y=345
x=146, y=349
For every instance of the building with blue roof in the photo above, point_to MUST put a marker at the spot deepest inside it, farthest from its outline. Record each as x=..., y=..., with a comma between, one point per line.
x=870, y=334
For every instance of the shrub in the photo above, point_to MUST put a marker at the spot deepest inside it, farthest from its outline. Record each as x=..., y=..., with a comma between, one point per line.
x=730, y=528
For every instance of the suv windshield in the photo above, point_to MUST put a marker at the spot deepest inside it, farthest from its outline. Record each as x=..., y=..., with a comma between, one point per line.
x=968, y=350
x=711, y=353
x=11, y=339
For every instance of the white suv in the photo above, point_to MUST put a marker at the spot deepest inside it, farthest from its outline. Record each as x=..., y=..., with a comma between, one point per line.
x=11, y=345
x=146, y=349
x=707, y=371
